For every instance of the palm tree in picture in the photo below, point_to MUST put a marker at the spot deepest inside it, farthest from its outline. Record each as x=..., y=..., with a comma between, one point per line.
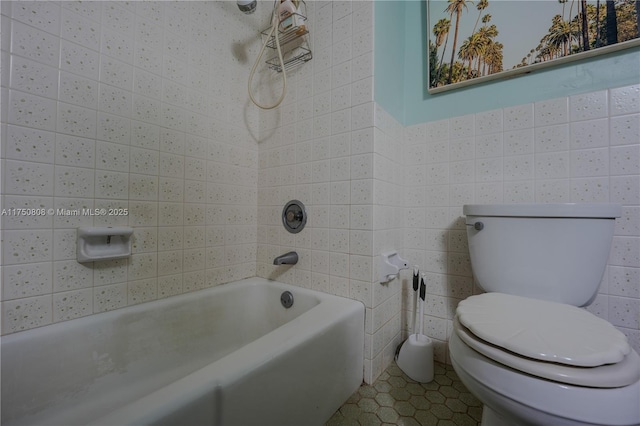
x=560, y=35
x=585, y=26
x=471, y=49
x=465, y=54
x=567, y=50
x=598, y=38
x=638, y=17
x=553, y=37
x=433, y=65
x=611, y=23
x=486, y=34
x=571, y=23
x=482, y=5
x=455, y=7
x=493, y=57
x=546, y=52
x=539, y=48
x=571, y=11
x=458, y=71
x=563, y=3
x=441, y=32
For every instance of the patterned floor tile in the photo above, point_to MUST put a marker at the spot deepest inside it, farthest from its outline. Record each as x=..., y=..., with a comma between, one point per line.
x=395, y=399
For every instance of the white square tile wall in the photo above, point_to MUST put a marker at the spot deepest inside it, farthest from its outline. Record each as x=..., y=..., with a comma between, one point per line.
x=123, y=105
x=579, y=149
x=116, y=105
x=329, y=146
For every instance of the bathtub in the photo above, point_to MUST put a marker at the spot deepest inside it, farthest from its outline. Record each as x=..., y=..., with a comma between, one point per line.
x=229, y=355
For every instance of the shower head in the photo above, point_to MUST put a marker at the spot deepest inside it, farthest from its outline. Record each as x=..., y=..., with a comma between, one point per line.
x=247, y=6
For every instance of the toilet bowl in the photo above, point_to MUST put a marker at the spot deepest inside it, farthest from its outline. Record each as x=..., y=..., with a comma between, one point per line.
x=590, y=381
x=511, y=397
x=525, y=348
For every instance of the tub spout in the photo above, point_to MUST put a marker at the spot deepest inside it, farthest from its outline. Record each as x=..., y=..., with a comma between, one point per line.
x=290, y=258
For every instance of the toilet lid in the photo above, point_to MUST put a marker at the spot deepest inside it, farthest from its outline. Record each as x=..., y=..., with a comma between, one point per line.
x=543, y=330
x=623, y=373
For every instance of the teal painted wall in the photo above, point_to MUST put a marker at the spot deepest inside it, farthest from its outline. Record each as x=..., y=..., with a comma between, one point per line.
x=389, y=56
x=417, y=106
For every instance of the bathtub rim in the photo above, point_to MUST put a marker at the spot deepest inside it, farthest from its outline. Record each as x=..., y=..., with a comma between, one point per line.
x=157, y=303
x=232, y=366
x=328, y=310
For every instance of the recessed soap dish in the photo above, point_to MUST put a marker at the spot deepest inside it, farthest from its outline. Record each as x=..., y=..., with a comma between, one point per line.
x=103, y=243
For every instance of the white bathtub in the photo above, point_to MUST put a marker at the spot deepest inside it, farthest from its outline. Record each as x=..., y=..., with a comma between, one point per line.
x=230, y=355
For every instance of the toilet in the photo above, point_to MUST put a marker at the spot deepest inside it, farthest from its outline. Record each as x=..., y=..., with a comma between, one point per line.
x=526, y=348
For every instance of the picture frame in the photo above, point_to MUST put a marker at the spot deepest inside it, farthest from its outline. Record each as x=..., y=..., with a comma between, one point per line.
x=475, y=41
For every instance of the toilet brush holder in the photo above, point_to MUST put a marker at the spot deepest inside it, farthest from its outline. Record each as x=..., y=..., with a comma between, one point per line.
x=416, y=358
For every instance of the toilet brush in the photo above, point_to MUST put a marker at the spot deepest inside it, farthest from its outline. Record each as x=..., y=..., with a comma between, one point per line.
x=415, y=357
x=421, y=297
x=414, y=326
x=416, y=285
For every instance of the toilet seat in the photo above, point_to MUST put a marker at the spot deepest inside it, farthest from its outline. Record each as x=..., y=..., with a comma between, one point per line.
x=623, y=373
x=543, y=330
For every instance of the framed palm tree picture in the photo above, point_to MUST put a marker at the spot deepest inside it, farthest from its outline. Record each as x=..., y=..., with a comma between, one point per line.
x=472, y=41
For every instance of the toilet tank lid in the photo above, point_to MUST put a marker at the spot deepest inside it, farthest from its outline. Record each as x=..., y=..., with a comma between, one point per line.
x=601, y=210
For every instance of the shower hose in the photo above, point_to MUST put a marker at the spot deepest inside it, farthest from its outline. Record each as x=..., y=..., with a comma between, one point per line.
x=274, y=30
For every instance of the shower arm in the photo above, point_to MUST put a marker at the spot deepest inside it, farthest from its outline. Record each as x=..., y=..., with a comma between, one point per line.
x=274, y=30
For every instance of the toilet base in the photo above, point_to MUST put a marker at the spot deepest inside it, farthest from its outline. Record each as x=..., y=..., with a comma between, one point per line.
x=521, y=400
x=492, y=418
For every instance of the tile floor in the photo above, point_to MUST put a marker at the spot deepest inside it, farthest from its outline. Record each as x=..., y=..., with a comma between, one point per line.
x=395, y=399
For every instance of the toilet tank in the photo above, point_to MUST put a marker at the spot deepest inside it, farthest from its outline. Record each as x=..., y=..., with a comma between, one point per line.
x=555, y=252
